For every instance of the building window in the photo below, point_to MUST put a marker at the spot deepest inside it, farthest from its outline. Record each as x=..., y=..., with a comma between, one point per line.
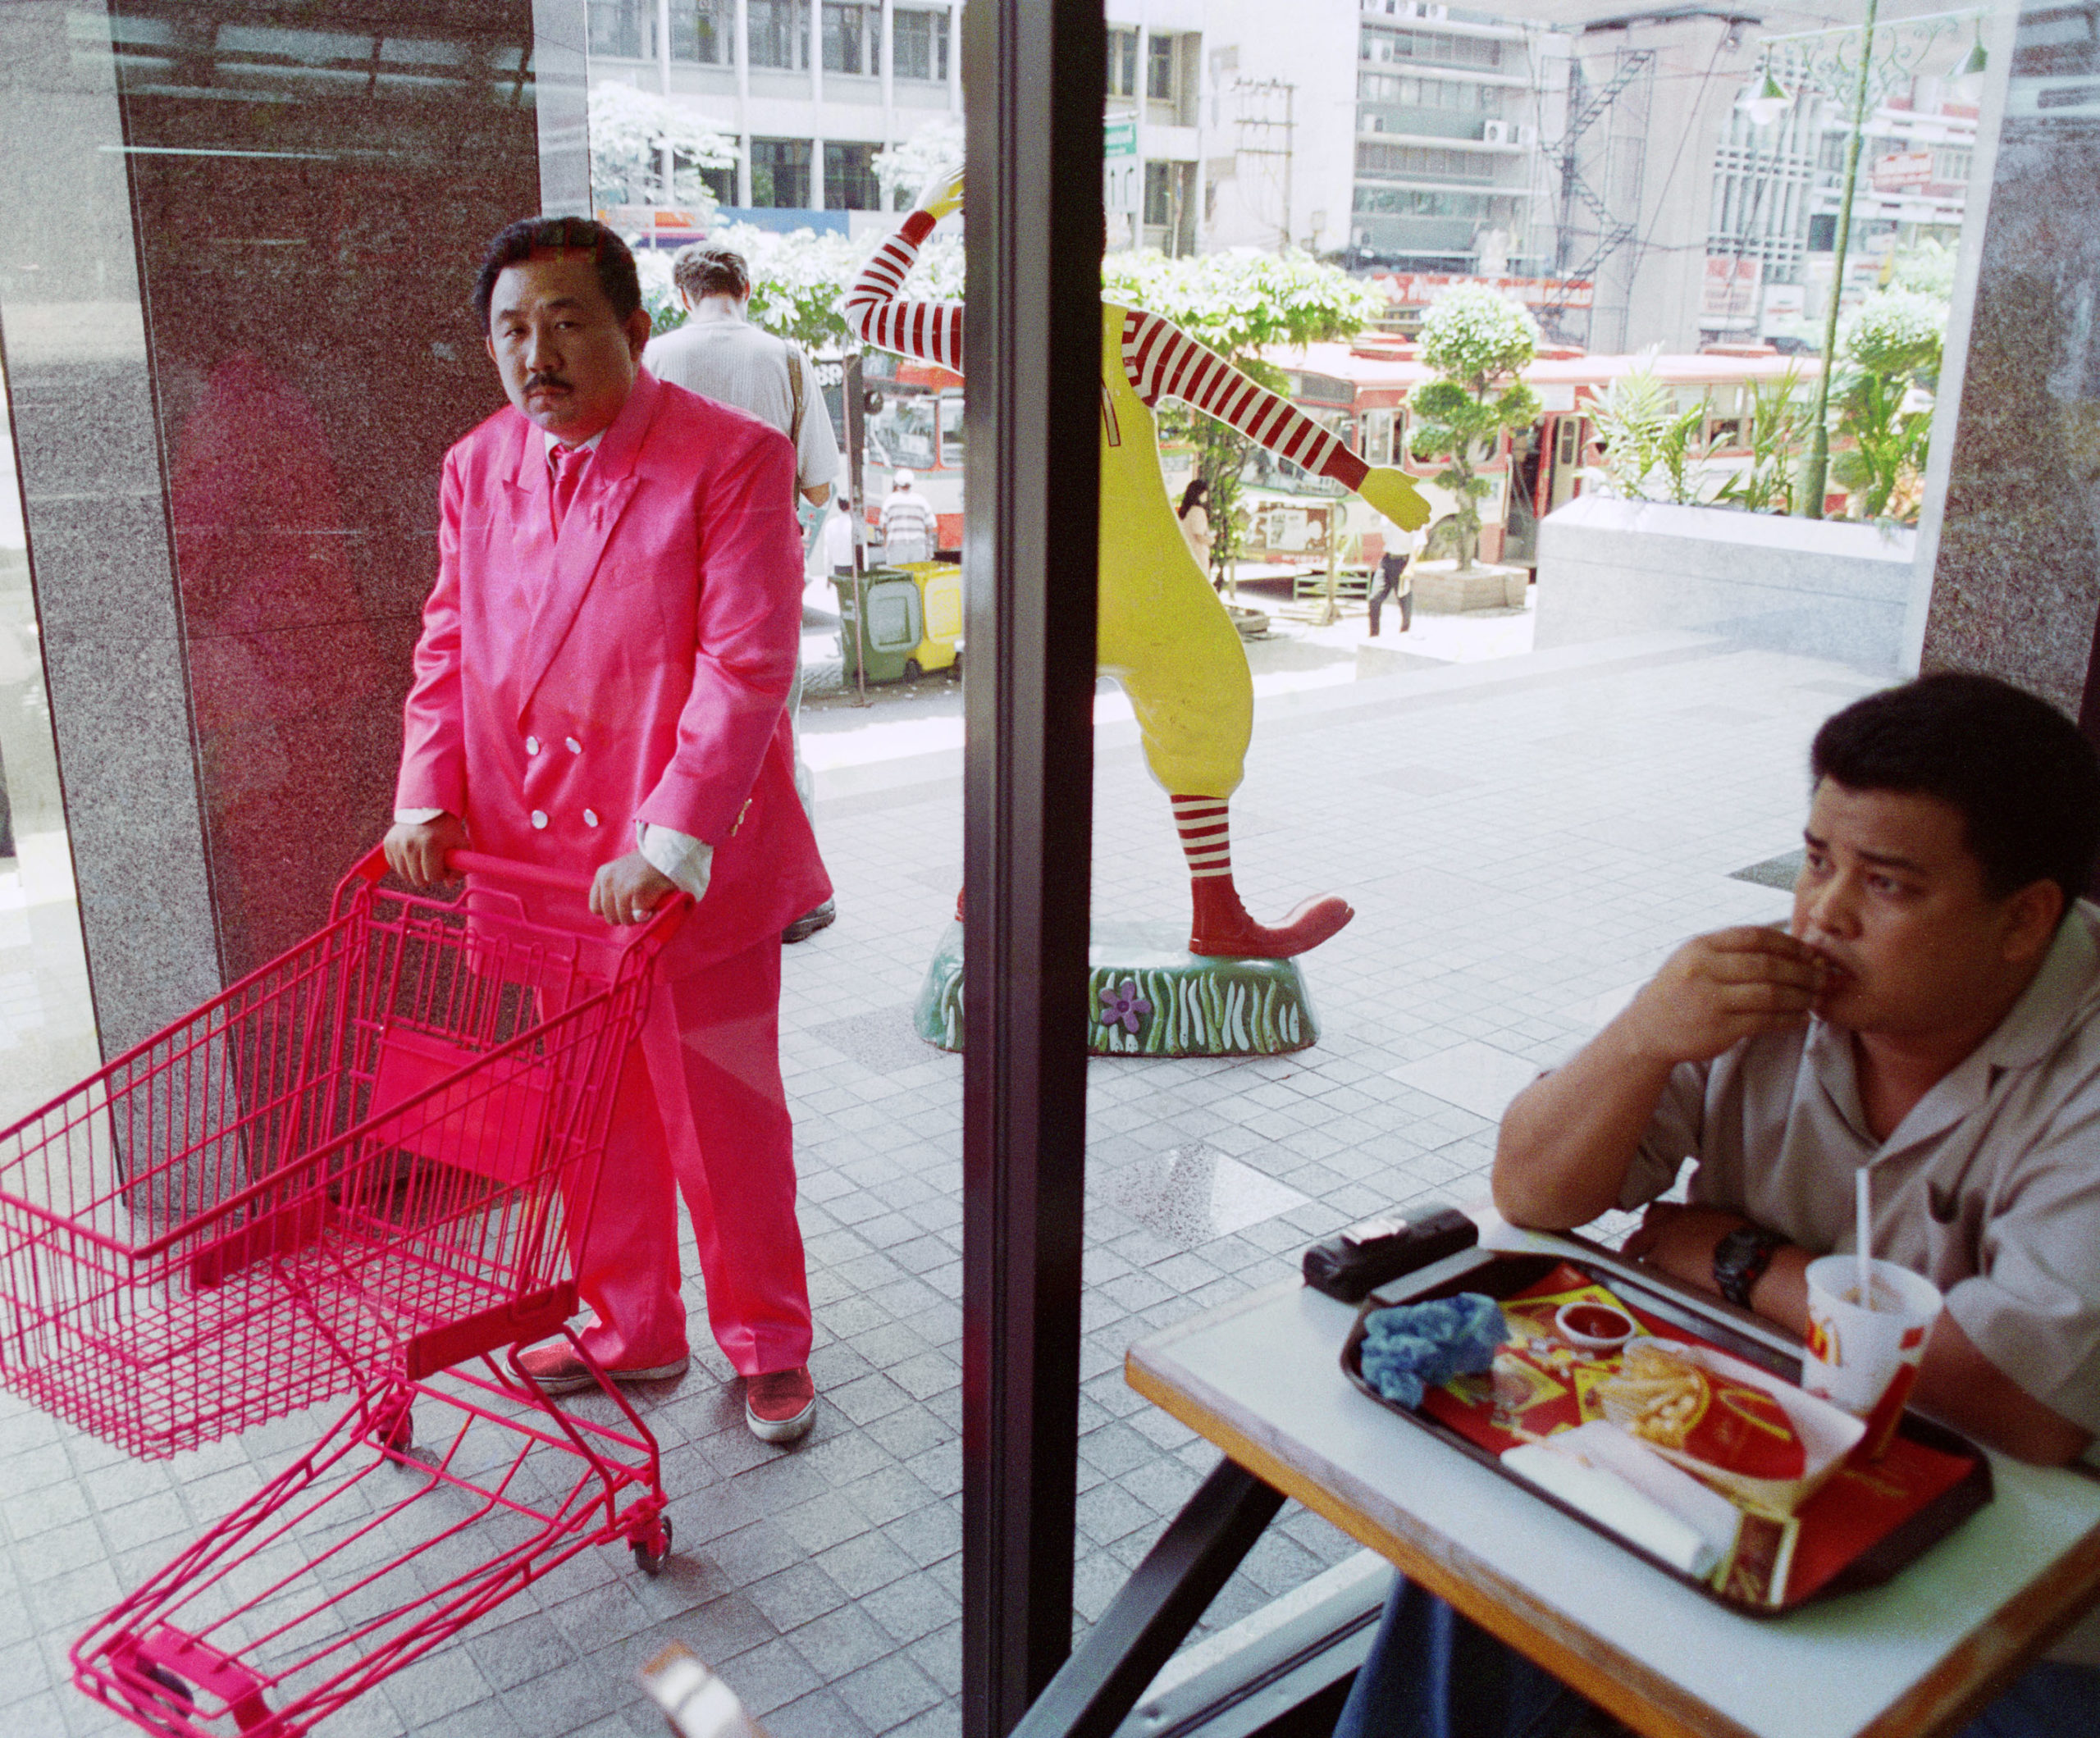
x=1159, y=194
x=1425, y=161
x=1438, y=46
x=1405, y=92
x=780, y=170
x=701, y=30
x=922, y=43
x=853, y=41
x=849, y=177
x=780, y=37
x=624, y=30
x=1122, y=63
x=1159, y=68
x=1422, y=202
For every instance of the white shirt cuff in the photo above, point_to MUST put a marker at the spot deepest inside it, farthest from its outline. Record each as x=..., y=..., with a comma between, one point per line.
x=684, y=860
x=416, y=817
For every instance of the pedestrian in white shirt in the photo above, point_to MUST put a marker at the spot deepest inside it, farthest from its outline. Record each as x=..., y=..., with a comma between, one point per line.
x=908, y=523
x=719, y=354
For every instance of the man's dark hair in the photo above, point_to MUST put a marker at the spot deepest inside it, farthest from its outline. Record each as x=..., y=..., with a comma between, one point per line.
x=2026, y=782
x=519, y=241
x=707, y=268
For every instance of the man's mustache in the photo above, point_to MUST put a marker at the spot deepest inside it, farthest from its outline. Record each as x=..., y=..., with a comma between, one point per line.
x=533, y=382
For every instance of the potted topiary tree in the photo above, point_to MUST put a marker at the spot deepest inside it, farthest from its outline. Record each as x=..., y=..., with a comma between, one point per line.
x=1478, y=344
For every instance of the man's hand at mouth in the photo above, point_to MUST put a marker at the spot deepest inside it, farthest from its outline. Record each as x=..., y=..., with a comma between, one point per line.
x=1719, y=989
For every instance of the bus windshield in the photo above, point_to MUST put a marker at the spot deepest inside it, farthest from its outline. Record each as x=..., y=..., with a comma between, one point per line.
x=902, y=430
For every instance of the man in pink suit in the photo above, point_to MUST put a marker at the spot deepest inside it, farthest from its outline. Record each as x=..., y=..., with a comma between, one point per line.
x=601, y=687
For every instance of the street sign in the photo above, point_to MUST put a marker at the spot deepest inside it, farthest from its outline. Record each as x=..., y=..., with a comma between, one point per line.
x=1122, y=175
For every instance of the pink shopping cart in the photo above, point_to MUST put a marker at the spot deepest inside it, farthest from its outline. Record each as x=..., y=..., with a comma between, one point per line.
x=359, y=1170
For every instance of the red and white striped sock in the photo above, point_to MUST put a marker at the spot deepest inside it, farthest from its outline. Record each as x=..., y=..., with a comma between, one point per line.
x=1206, y=836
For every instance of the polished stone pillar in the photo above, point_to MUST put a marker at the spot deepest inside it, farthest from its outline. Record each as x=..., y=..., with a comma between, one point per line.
x=240, y=239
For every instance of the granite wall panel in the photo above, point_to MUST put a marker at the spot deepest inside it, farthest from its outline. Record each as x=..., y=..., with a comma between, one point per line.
x=2016, y=580
x=88, y=447
x=281, y=207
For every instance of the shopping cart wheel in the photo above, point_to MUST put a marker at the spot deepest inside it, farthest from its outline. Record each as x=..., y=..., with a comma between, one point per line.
x=395, y=1431
x=653, y=1549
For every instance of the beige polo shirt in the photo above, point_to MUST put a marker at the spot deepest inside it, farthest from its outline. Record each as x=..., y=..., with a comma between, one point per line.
x=1990, y=1187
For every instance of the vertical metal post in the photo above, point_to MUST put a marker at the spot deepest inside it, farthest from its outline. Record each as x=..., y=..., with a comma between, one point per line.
x=856, y=516
x=1035, y=70
x=1818, y=472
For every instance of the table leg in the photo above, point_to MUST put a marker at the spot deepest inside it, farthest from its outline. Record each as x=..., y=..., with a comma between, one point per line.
x=1096, y=1688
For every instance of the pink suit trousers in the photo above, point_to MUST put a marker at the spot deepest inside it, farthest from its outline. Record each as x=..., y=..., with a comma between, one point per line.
x=701, y=1112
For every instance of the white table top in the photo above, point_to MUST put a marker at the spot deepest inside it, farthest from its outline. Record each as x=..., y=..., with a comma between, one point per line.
x=1263, y=1379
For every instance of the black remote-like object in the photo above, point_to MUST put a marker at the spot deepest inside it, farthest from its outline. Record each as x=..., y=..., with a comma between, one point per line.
x=1365, y=1256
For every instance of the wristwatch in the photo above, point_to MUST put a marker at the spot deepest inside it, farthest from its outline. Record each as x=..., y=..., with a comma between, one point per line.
x=1740, y=1260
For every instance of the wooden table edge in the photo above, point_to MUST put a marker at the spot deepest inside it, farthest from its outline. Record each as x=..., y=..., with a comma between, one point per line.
x=1958, y=1687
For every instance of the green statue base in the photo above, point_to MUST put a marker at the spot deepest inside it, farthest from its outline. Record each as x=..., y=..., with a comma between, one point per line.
x=1149, y=996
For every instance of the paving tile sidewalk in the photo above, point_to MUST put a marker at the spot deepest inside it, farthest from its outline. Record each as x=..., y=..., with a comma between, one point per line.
x=1521, y=855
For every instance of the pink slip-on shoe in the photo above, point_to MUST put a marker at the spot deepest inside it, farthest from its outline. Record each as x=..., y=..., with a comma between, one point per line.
x=555, y=1369
x=781, y=1405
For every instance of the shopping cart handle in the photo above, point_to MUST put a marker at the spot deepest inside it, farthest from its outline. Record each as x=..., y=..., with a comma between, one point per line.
x=505, y=869
x=372, y=867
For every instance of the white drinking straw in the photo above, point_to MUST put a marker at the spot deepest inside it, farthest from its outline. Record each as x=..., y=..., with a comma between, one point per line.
x=1863, y=1195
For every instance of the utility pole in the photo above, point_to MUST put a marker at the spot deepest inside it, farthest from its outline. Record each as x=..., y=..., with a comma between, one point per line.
x=1250, y=92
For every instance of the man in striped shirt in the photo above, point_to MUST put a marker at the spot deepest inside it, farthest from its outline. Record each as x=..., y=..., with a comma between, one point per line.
x=1165, y=634
x=908, y=523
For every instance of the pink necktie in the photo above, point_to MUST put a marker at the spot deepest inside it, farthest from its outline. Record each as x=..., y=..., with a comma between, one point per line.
x=568, y=463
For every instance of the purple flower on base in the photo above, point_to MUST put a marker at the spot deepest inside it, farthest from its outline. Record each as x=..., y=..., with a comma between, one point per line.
x=1123, y=1007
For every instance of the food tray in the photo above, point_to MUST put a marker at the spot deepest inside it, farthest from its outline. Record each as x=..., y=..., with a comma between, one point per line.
x=1932, y=1480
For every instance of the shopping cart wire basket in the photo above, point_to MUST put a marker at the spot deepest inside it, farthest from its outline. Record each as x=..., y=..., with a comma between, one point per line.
x=360, y=1169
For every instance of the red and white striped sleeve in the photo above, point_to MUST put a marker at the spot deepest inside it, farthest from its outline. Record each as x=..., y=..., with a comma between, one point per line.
x=1162, y=362
x=926, y=331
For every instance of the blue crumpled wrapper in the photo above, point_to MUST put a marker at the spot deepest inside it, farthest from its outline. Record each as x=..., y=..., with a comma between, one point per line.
x=1413, y=1348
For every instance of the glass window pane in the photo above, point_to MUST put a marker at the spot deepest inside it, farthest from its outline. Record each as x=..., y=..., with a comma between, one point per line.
x=849, y=178
x=1159, y=68
x=623, y=29
x=780, y=34
x=922, y=43
x=702, y=30
x=852, y=38
x=780, y=172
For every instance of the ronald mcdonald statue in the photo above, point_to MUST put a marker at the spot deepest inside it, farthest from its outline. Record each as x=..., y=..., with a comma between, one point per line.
x=1165, y=634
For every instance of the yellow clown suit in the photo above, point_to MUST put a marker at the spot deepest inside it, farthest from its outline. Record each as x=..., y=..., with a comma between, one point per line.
x=1164, y=636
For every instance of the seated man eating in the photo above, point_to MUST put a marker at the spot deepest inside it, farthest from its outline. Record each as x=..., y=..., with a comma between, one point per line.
x=1932, y=1012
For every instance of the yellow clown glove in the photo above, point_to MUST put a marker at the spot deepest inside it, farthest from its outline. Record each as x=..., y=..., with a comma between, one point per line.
x=1394, y=494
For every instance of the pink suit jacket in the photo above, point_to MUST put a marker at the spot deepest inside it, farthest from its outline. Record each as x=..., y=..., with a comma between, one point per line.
x=637, y=668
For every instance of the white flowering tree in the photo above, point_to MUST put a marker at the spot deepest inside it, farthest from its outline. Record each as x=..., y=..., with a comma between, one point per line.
x=1236, y=302
x=631, y=130
x=907, y=167
x=1478, y=343
x=1889, y=348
